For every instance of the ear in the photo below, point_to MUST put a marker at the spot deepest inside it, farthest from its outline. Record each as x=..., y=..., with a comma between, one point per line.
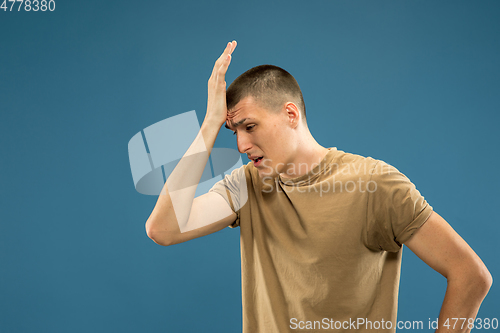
x=293, y=114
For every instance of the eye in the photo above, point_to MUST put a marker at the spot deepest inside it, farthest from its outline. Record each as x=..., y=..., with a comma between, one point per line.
x=250, y=127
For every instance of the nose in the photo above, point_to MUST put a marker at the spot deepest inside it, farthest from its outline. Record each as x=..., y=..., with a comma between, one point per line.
x=244, y=143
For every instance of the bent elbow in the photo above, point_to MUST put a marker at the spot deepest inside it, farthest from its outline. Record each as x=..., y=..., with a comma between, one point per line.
x=479, y=281
x=486, y=280
x=473, y=281
x=160, y=238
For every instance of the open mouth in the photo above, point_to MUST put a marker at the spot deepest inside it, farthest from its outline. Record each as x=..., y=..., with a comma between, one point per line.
x=257, y=161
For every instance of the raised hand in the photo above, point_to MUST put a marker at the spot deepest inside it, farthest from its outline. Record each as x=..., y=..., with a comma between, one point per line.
x=216, y=104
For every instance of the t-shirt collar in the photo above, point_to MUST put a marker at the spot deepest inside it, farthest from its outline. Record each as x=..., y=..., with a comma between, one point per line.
x=313, y=174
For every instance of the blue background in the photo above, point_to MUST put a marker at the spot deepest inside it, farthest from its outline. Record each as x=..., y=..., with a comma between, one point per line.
x=414, y=83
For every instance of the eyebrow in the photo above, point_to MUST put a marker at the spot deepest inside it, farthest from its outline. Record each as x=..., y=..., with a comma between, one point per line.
x=238, y=123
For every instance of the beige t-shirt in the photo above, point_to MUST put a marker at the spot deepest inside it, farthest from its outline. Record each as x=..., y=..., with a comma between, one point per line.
x=323, y=251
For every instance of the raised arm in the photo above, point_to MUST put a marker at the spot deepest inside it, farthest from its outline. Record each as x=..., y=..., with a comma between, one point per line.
x=177, y=215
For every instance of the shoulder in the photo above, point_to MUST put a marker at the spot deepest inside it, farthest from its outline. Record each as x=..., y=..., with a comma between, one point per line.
x=356, y=164
x=237, y=178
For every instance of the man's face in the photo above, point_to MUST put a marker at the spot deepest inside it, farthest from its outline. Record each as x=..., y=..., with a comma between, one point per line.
x=261, y=133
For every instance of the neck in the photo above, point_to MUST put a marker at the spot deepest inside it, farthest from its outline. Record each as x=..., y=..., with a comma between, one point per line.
x=308, y=154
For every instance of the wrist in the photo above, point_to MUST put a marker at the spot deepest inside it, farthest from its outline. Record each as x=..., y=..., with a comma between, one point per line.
x=212, y=123
x=210, y=129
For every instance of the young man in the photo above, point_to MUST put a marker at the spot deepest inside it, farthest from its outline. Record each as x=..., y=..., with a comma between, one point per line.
x=321, y=229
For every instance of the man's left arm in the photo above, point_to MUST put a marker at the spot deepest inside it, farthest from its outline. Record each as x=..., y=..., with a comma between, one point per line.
x=439, y=246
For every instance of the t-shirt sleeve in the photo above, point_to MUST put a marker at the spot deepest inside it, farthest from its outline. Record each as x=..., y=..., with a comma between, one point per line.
x=233, y=188
x=395, y=209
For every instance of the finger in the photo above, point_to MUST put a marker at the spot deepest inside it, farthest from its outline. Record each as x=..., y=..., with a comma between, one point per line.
x=228, y=57
x=221, y=58
x=227, y=50
x=233, y=46
x=221, y=72
x=230, y=48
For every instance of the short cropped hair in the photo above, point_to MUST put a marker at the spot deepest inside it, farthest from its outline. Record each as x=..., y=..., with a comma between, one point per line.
x=270, y=86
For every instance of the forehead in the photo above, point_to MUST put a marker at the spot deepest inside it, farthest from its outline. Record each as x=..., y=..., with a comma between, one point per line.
x=246, y=109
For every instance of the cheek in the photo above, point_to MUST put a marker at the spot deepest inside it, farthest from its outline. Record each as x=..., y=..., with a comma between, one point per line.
x=280, y=139
x=274, y=142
